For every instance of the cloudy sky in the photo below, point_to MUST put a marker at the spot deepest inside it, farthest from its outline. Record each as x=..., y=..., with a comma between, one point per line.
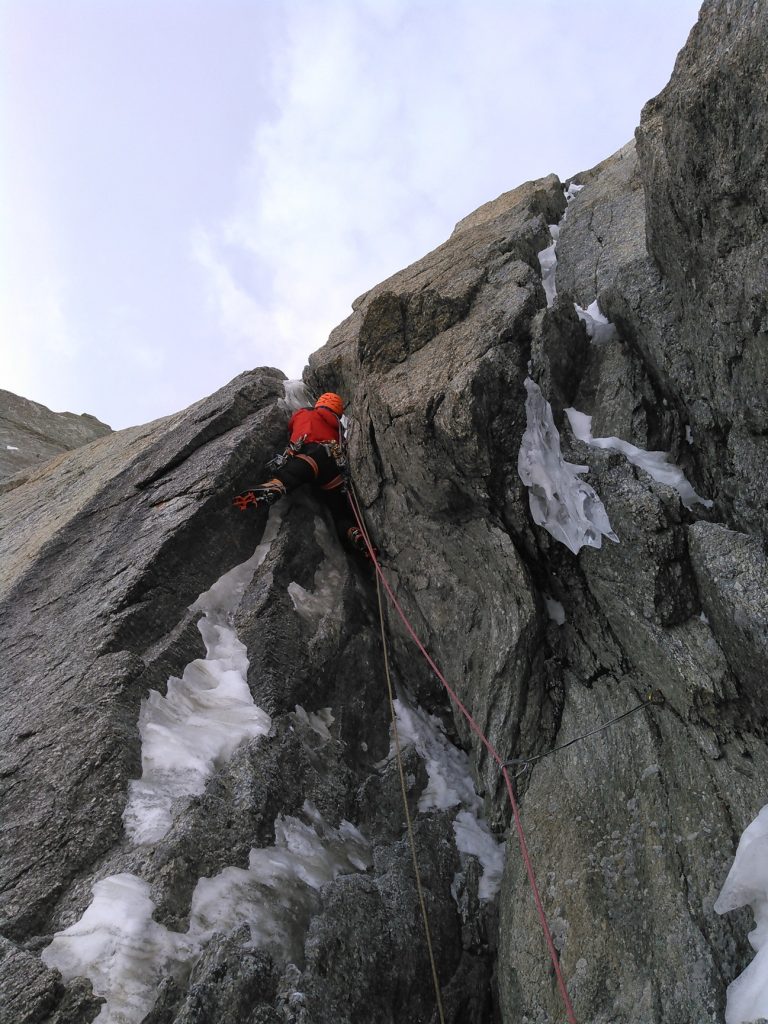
x=191, y=188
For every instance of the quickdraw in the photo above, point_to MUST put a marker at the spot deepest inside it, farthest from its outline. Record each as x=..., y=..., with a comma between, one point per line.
x=282, y=457
x=339, y=454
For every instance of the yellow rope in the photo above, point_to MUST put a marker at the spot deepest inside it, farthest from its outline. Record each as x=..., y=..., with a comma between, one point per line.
x=404, y=791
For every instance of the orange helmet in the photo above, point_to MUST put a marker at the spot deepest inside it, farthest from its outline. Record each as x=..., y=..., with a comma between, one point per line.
x=332, y=402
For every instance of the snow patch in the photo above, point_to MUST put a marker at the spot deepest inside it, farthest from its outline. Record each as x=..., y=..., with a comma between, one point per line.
x=451, y=783
x=296, y=396
x=655, y=464
x=329, y=580
x=564, y=505
x=474, y=838
x=555, y=610
x=319, y=722
x=572, y=191
x=747, y=885
x=548, y=263
x=204, y=715
x=124, y=953
x=11, y=448
x=599, y=328
x=276, y=895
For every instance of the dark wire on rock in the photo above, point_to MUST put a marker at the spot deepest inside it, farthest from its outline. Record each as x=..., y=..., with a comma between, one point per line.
x=654, y=697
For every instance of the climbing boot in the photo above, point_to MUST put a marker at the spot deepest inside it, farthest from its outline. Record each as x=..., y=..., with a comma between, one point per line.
x=260, y=496
x=358, y=544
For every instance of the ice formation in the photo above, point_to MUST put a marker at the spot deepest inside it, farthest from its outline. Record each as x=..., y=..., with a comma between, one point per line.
x=450, y=783
x=555, y=610
x=548, y=263
x=296, y=396
x=204, y=715
x=329, y=578
x=124, y=953
x=548, y=257
x=319, y=722
x=566, y=506
x=276, y=894
x=599, y=327
x=655, y=464
x=747, y=885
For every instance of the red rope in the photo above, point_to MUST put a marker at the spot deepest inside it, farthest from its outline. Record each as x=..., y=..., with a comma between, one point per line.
x=491, y=750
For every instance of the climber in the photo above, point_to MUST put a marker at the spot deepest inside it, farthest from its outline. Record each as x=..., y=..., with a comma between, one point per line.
x=316, y=455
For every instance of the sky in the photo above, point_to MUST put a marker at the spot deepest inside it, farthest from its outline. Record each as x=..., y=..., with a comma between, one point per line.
x=193, y=188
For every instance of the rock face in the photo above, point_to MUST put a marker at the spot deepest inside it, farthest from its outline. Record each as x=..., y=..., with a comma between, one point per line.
x=631, y=830
x=96, y=588
x=701, y=145
x=30, y=433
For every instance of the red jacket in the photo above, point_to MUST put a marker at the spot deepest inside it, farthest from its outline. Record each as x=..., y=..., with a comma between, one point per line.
x=317, y=424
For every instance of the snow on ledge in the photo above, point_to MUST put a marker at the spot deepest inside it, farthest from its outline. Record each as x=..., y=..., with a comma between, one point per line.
x=655, y=464
x=125, y=953
x=451, y=784
x=204, y=715
x=599, y=327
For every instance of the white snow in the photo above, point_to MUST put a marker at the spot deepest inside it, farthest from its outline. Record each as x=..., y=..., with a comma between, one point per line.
x=118, y=946
x=329, y=580
x=474, y=838
x=548, y=257
x=204, y=715
x=572, y=191
x=747, y=885
x=275, y=895
x=555, y=610
x=124, y=953
x=548, y=263
x=296, y=396
x=655, y=464
x=599, y=328
x=566, y=506
x=319, y=721
x=450, y=784
x=11, y=448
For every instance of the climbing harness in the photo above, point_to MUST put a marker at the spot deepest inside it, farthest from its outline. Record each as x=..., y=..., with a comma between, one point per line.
x=354, y=504
x=655, y=697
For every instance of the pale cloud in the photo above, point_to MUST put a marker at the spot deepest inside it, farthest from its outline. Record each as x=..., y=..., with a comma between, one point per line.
x=36, y=333
x=334, y=143
x=389, y=123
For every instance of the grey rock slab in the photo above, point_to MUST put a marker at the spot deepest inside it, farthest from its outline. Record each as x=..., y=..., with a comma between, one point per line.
x=700, y=144
x=604, y=229
x=33, y=994
x=732, y=575
x=90, y=588
x=30, y=434
x=230, y=984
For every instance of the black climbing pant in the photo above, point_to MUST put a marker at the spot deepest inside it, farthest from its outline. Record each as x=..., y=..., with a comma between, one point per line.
x=313, y=464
